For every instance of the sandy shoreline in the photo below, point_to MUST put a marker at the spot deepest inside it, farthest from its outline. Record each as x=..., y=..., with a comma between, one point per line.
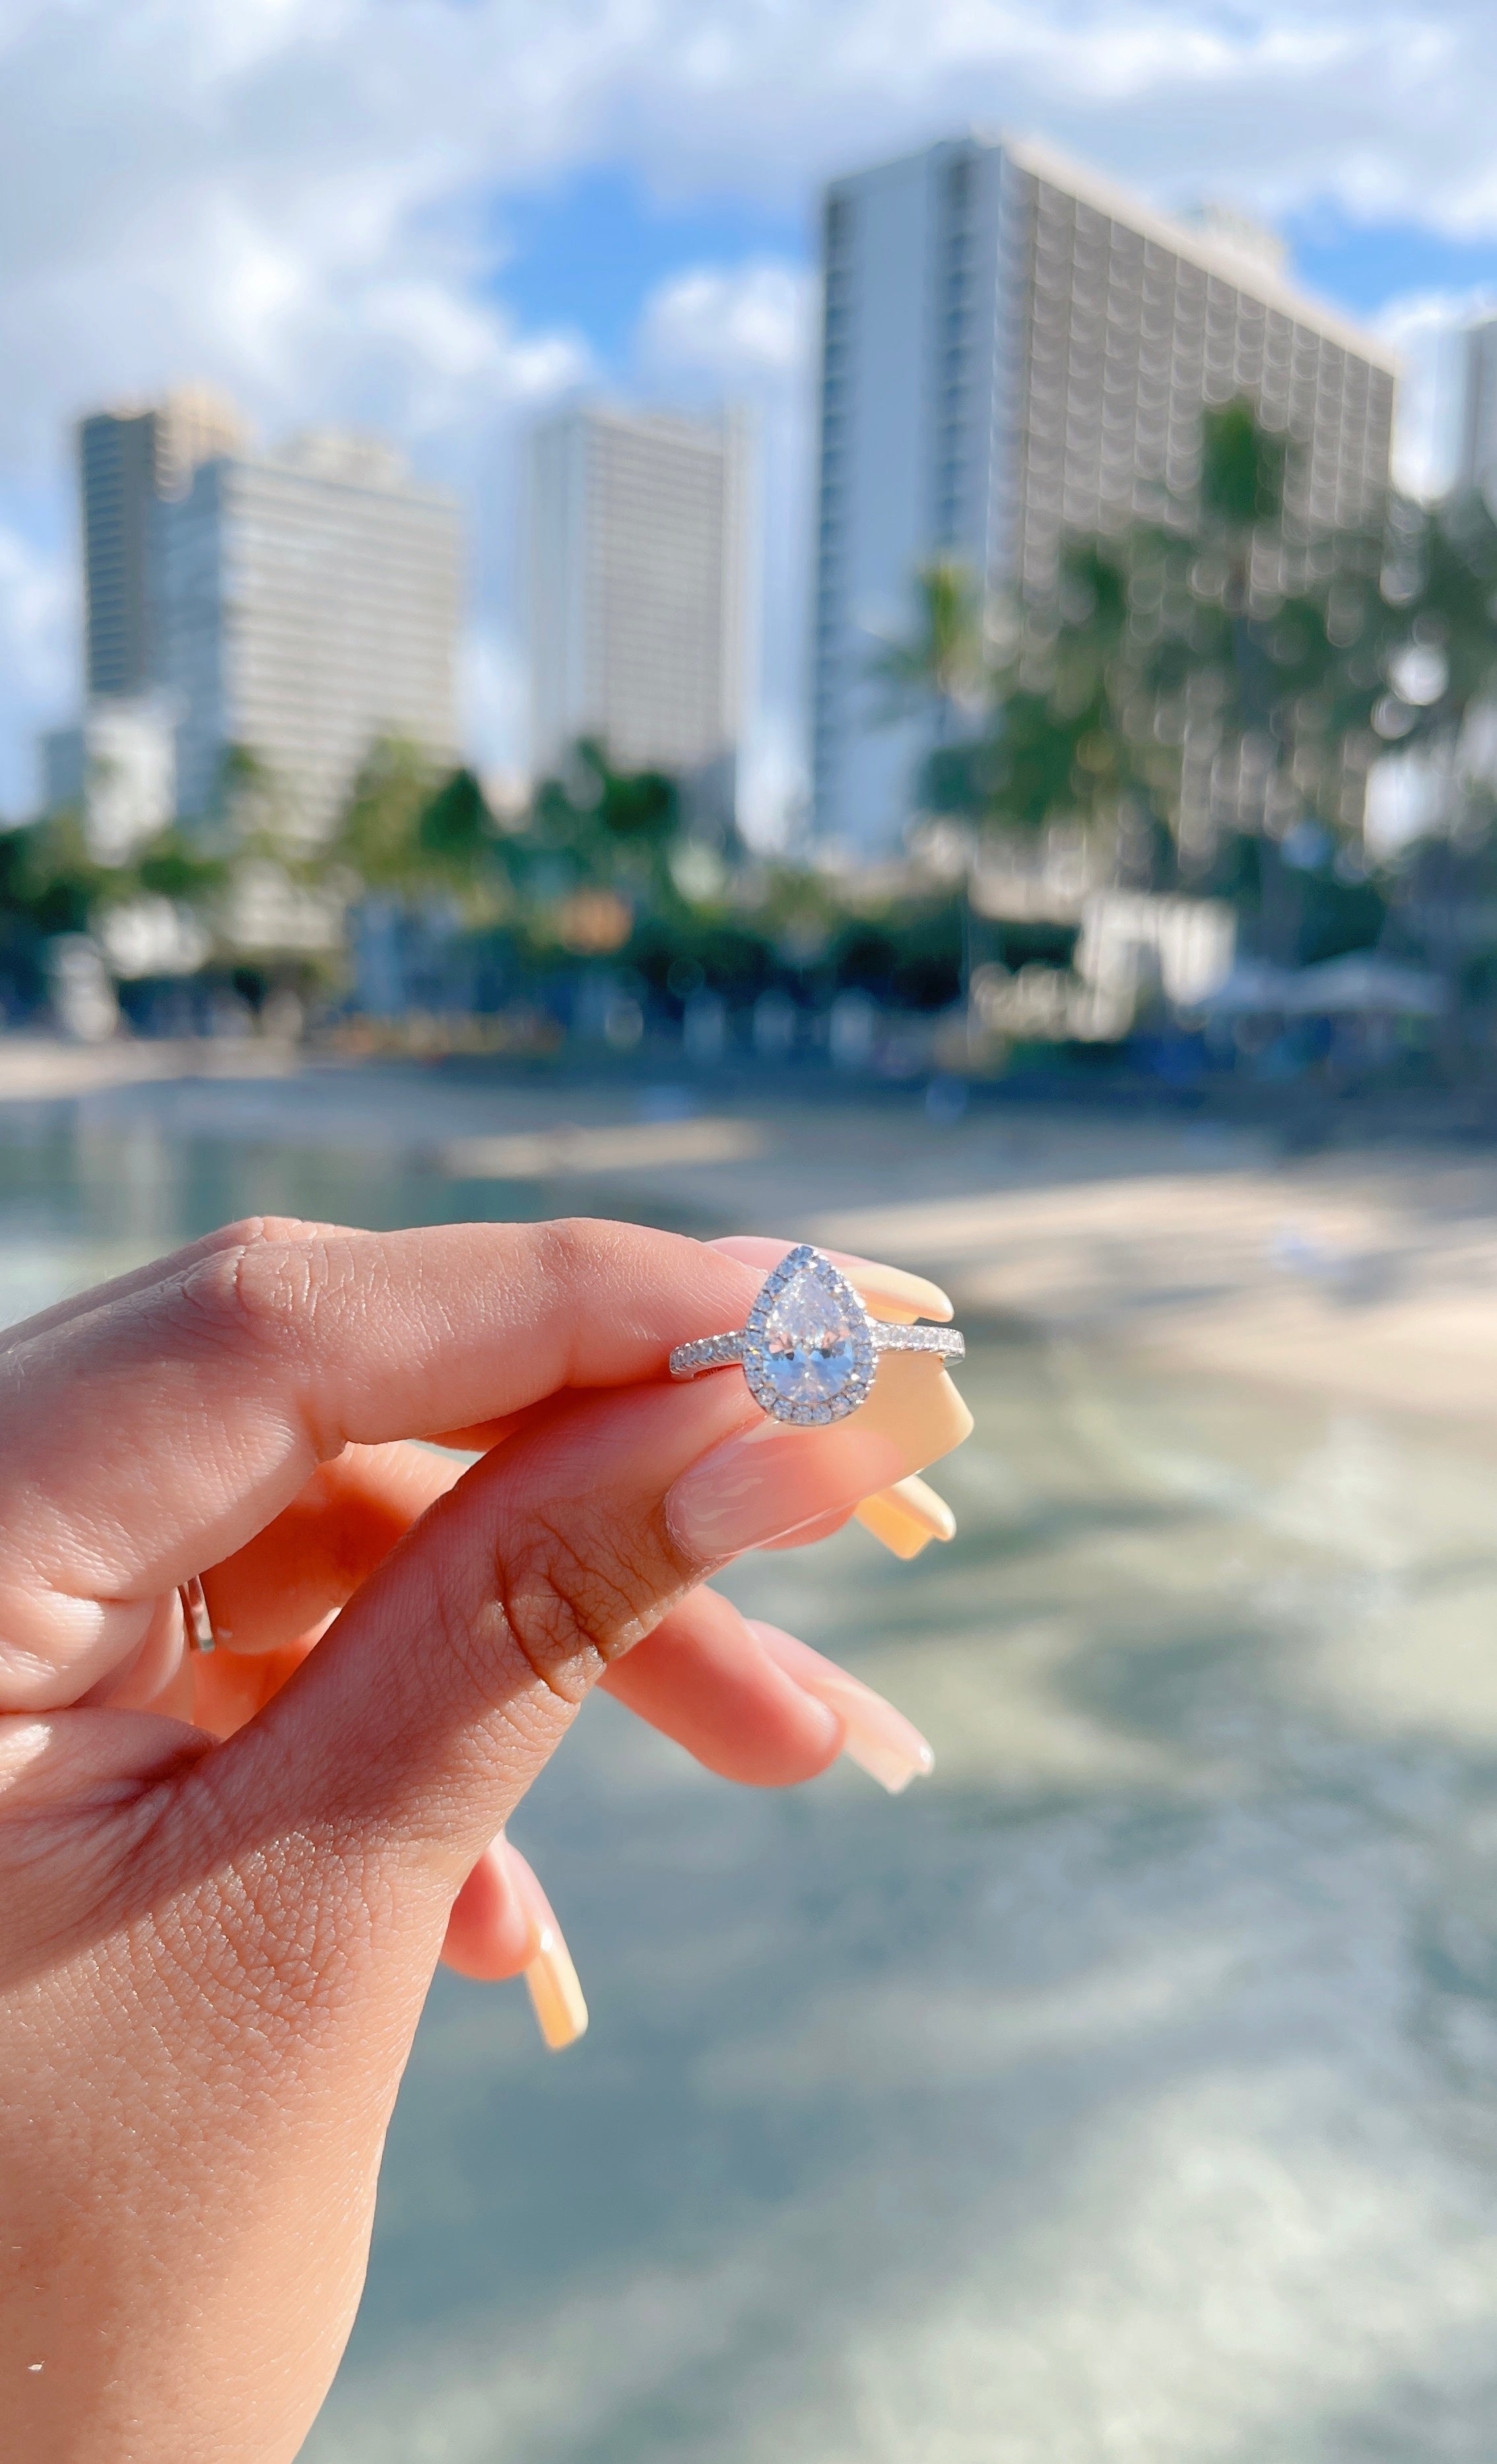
x=1366, y=1274
x=1372, y=1279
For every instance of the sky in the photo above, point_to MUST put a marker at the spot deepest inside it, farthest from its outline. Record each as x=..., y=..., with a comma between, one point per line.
x=436, y=218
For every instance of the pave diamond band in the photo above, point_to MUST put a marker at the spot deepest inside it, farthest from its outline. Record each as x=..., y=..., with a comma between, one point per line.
x=809, y=1348
x=726, y=1350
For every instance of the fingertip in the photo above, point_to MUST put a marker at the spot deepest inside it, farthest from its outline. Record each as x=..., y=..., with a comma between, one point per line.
x=704, y=1679
x=491, y=1932
x=874, y=1735
x=502, y=1925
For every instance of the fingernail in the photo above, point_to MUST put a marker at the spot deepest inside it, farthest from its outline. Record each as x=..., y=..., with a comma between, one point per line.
x=551, y=1980
x=771, y=1480
x=556, y=1996
x=908, y=1517
x=905, y=1295
x=891, y=1293
x=879, y=1739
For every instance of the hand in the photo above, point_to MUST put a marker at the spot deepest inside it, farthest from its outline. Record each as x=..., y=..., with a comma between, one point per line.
x=214, y=1954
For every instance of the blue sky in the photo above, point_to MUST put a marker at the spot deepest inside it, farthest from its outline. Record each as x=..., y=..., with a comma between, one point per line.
x=1363, y=266
x=435, y=218
x=588, y=250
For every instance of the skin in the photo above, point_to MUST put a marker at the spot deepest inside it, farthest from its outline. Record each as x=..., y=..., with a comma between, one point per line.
x=226, y=1882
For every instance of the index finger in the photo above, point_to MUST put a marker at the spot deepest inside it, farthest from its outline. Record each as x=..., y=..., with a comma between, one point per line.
x=152, y=1434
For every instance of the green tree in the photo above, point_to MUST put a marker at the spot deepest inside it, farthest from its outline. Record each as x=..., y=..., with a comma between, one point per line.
x=379, y=830
x=1217, y=667
x=605, y=829
x=413, y=832
x=940, y=663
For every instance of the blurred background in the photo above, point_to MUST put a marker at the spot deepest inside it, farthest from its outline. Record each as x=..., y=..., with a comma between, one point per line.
x=875, y=622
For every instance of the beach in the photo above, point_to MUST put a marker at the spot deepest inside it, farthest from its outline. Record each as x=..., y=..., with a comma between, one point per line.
x=1123, y=2091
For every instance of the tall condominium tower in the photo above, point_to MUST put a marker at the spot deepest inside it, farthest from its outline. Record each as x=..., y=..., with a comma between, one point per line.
x=636, y=593
x=130, y=461
x=1477, y=451
x=1013, y=349
x=310, y=603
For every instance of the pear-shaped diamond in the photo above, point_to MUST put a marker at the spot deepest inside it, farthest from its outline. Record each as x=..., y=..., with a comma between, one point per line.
x=809, y=1355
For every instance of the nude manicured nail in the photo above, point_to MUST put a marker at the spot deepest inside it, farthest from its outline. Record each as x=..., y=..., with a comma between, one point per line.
x=772, y=1480
x=556, y=1995
x=908, y=1517
x=891, y=1292
x=879, y=1739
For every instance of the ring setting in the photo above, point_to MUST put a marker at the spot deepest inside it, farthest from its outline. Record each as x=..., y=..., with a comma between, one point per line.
x=810, y=1348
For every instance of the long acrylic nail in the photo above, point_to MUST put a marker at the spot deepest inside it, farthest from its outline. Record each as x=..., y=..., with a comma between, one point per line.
x=879, y=1739
x=771, y=1480
x=556, y=1995
x=891, y=1292
x=908, y=1517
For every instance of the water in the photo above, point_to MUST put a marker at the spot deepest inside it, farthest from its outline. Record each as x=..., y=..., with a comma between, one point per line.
x=1126, y=2092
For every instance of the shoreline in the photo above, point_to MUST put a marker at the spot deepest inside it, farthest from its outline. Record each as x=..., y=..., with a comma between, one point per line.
x=1364, y=1273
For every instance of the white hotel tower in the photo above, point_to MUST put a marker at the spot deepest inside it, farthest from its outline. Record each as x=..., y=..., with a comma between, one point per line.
x=1013, y=349
x=637, y=594
x=307, y=603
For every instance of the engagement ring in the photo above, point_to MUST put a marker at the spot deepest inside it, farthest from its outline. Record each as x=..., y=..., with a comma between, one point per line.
x=810, y=1348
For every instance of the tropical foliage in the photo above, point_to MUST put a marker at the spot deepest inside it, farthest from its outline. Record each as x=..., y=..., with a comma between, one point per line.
x=1233, y=669
x=1203, y=696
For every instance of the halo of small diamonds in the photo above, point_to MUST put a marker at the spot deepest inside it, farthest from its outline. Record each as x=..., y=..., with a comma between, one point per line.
x=845, y=1387
x=813, y=1360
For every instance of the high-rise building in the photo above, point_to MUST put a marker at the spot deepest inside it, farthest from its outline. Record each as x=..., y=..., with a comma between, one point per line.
x=116, y=770
x=131, y=461
x=1013, y=349
x=1477, y=450
x=310, y=603
x=637, y=620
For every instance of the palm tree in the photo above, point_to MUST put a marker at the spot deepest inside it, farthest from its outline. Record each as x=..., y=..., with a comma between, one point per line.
x=938, y=666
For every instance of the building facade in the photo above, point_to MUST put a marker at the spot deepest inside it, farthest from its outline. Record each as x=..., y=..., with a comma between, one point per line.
x=1013, y=350
x=1476, y=465
x=637, y=594
x=309, y=603
x=116, y=769
x=130, y=462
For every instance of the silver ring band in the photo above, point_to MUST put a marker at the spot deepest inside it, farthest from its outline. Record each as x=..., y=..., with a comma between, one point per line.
x=810, y=1347
x=197, y=1624
x=725, y=1351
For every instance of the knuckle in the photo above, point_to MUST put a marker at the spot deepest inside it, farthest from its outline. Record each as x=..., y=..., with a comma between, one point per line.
x=261, y=1289
x=251, y=1230
x=576, y=1595
x=566, y=1251
x=574, y=1257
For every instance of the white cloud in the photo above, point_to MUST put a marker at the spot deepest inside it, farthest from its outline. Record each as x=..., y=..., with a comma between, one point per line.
x=741, y=325
x=294, y=198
